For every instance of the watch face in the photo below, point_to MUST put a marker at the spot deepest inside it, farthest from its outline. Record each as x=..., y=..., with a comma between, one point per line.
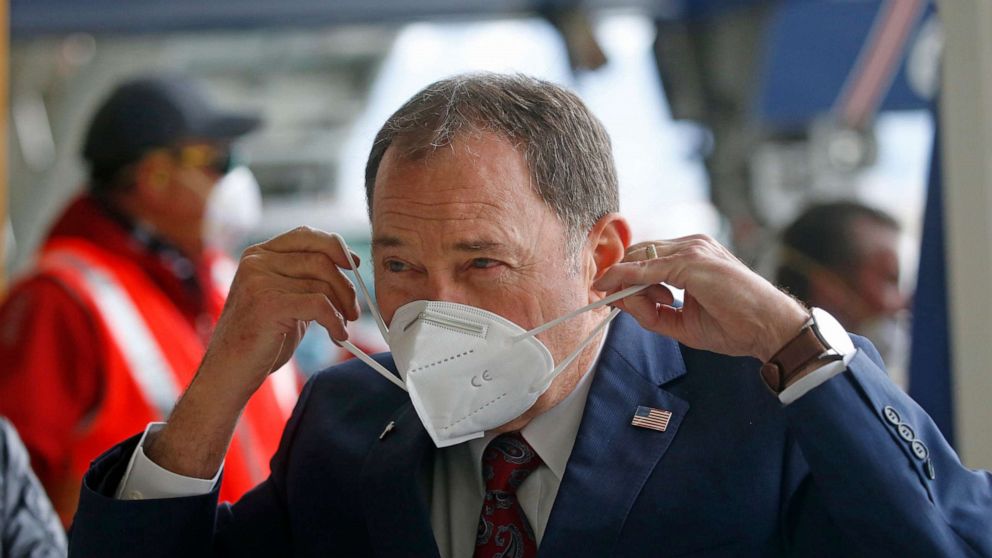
x=831, y=332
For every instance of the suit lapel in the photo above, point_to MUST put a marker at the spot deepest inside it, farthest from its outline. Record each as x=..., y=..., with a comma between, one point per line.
x=394, y=497
x=612, y=459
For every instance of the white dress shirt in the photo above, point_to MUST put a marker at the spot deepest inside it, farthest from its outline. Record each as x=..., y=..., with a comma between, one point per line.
x=458, y=489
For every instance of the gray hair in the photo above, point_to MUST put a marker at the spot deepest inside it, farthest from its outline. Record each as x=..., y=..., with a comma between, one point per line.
x=566, y=148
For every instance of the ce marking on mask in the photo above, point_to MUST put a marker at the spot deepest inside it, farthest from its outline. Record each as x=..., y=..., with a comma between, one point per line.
x=477, y=380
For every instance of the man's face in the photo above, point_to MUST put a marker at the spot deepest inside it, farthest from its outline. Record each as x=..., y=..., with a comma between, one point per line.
x=877, y=278
x=174, y=183
x=197, y=168
x=466, y=225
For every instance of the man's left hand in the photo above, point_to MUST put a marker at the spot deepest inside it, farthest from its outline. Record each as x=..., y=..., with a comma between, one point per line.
x=727, y=308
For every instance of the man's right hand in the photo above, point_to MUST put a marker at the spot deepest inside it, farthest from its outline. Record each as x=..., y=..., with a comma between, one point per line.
x=281, y=285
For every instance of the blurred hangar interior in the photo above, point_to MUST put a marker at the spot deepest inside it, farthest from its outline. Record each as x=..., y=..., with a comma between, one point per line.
x=728, y=117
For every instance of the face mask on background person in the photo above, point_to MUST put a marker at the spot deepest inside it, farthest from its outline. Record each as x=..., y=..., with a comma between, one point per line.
x=233, y=210
x=468, y=370
x=891, y=336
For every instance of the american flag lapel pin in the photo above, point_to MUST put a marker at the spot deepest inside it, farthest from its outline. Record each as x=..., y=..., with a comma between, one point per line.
x=651, y=418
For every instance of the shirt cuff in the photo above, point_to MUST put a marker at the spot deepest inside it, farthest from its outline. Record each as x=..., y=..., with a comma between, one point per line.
x=144, y=479
x=815, y=378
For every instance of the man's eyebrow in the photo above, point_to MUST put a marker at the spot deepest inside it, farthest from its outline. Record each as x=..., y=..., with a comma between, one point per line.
x=387, y=242
x=477, y=245
x=469, y=245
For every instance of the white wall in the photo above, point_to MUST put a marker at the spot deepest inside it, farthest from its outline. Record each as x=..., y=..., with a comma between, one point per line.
x=966, y=112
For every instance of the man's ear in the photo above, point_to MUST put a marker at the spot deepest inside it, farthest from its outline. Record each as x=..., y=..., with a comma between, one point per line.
x=608, y=240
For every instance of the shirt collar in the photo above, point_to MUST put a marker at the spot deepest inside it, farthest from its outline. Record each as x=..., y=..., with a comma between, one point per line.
x=552, y=433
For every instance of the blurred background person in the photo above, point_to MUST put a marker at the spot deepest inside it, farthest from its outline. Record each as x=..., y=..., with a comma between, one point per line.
x=100, y=336
x=29, y=527
x=844, y=257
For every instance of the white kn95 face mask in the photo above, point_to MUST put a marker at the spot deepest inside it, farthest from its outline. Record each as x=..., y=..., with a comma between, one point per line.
x=234, y=209
x=468, y=370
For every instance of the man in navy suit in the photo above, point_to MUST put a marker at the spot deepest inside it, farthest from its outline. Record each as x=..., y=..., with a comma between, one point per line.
x=738, y=423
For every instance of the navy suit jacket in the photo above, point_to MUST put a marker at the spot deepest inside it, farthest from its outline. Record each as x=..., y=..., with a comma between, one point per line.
x=735, y=474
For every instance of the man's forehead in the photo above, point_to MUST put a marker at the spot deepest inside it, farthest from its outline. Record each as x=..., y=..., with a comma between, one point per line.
x=475, y=147
x=483, y=173
x=472, y=196
x=873, y=236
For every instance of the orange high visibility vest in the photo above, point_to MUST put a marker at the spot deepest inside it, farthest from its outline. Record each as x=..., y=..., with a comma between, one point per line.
x=151, y=352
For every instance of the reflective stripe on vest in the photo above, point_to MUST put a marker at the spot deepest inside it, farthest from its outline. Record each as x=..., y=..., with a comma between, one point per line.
x=144, y=357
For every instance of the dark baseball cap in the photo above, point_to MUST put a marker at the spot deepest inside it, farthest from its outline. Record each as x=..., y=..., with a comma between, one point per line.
x=147, y=113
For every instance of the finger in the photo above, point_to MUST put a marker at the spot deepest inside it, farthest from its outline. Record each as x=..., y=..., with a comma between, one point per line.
x=315, y=266
x=671, y=247
x=658, y=294
x=645, y=272
x=644, y=302
x=641, y=251
x=309, y=286
x=306, y=307
x=289, y=344
x=307, y=265
x=669, y=322
x=653, y=294
x=308, y=239
x=656, y=317
x=642, y=309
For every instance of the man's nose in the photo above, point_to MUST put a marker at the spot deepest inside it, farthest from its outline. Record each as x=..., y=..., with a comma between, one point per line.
x=446, y=289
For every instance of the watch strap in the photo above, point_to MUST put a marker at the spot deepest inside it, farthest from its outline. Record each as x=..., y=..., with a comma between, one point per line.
x=796, y=356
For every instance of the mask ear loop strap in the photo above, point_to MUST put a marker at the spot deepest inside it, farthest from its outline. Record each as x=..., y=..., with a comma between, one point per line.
x=360, y=355
x=365, y=291
x=603, y=302
x=585, y=342
x=348, y=345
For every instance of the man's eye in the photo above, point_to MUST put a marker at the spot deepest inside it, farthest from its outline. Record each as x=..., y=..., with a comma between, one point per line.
x=484, y=263
x=395, y=266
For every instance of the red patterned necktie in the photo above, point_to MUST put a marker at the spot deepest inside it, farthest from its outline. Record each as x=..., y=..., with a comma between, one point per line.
x=504, y=531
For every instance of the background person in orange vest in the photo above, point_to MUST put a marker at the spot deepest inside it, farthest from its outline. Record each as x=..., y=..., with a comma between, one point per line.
x=101, y=336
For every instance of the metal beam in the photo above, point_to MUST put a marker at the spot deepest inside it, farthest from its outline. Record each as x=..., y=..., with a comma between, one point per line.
x=37, y=17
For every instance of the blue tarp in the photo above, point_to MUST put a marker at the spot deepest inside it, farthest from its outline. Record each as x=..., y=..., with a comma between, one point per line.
x=930, y=381
x=812, y=47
